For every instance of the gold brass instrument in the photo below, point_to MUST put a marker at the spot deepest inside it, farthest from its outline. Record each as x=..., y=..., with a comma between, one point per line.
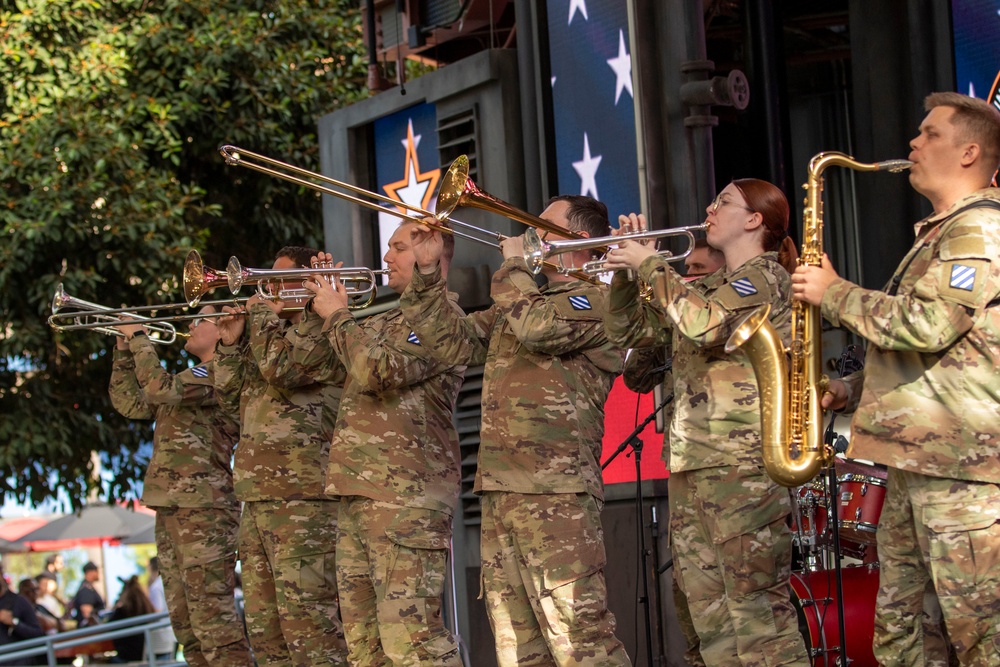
x=358, y=281
x=536, y=250
x=790, y=392
x=235, y=156
x=89, y=316
x=199, y=279
x=456, y=190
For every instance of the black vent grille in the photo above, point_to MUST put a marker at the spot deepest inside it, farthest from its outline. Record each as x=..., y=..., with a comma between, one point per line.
x=458, y=134
x=468, y=419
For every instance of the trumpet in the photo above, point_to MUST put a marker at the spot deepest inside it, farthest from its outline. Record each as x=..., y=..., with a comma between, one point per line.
x=358, y=281
x=536, y=251
x=89, y=316
x=456, y=190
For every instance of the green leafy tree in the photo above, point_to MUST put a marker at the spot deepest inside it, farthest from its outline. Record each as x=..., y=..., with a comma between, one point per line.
x=111, y=117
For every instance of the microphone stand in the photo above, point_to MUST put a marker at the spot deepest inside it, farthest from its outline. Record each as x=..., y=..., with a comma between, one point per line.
x=635, y=442
x=834, y=440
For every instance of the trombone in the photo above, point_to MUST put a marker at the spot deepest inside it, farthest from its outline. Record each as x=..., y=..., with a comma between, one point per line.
x=536, y=251
x=89, y=316
x=456, y=190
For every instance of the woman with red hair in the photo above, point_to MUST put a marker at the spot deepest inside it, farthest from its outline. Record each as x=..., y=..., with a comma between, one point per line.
x=730, y=539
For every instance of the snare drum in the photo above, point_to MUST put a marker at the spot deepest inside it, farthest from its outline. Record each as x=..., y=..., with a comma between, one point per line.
x=860, y=496
x=815, y=599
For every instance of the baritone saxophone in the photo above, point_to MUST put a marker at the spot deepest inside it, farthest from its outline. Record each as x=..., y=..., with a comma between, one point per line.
x=790, y=389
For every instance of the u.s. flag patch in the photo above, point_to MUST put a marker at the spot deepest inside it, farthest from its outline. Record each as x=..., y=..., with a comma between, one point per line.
x=412, y=338
x=199, y=372
x=580, y=302
x=962, y=277
x=743, y=287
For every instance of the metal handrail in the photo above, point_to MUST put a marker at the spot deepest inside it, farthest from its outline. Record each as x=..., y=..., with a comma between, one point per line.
x=49, y=644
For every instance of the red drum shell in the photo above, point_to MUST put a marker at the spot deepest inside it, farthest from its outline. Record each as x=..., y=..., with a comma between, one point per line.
x=814, y=595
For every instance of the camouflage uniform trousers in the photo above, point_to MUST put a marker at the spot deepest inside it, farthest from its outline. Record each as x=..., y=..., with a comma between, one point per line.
x=733, y=547
x=543, y=564
x=197, y=552
x=692, y=645
x=946, y=531
x=391, y=565
x=287, y=552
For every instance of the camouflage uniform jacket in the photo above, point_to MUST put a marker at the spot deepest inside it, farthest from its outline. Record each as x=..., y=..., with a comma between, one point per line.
x=287, y=416
x=716, y=418
x=931, y=396
x=395, y=439
x=194, y=437
x=549, y=368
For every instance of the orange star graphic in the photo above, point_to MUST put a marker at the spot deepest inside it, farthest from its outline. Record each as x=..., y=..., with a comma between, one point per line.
x=413, y=179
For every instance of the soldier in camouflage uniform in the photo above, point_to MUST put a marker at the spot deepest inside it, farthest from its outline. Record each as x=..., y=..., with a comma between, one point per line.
x=647, y=367
x=395, y=463
x=728, y=519
x=549, y=368
x=289, y=525
x=189, y=481
x=930, y=400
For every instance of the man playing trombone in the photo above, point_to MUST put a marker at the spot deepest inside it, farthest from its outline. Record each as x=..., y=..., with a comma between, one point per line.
x=549, y=368
x=189, y=482
x=395, y=463
x=288, y=529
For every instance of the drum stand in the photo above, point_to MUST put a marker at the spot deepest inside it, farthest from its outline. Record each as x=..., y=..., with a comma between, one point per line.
x=635, y=442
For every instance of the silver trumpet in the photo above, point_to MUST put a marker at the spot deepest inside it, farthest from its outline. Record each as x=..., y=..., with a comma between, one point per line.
x=537, y=251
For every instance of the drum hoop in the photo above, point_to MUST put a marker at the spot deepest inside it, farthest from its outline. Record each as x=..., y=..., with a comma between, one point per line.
x=863, y=479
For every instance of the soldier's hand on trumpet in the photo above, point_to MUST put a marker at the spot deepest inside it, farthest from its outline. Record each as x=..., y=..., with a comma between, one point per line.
x=231, y=325
x=513, y=246
x=629, y=254
x=330, y=295
x=427, y=246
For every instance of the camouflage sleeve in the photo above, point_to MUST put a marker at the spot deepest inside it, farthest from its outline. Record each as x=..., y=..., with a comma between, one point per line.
x=312, y=353
x=126, y=394
x=161, y=387
x=644, y=369
x=446, y=333
x=854, y=384
x=707, y=322
x=961, y=279
x=630, y=321
x=544, y=323
x=230, y=374
x=380, y=363
x=273, y=342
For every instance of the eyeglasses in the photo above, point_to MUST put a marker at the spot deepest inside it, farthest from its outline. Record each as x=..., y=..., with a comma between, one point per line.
x=719, y=202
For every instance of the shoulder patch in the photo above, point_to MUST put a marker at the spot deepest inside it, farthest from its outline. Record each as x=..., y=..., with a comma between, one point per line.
x=199, y=372
x=412, y=338
x=750, y=289
x=580, y=302
x=744, y=286
x=962, y=277
x=963, y=282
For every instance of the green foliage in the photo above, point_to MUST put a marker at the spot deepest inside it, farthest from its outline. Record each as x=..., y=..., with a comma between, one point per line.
x=110, y=120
